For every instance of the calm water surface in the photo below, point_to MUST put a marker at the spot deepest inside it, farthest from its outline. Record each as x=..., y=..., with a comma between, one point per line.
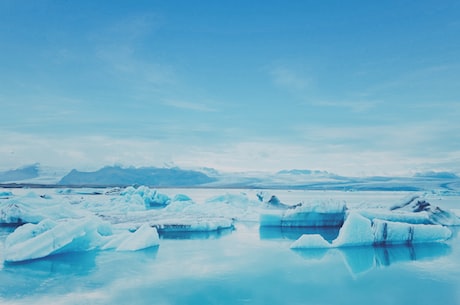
x=246, y=266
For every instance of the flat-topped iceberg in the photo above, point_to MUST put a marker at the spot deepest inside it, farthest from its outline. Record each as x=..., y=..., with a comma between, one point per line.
x=329, y=213
x=360, y=231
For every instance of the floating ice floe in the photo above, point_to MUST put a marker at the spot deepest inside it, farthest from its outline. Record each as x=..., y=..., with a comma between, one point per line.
x=49, y=237
x=316, y=214
x=360, y=231
x=417, y=205
x=33, y=208
x=5, y=194
x=192, y=224
x=144, y=237
x=151, y=198
x=272, y=201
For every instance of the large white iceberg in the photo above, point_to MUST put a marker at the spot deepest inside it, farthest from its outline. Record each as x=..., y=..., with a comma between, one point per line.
x=360, y=231
x=32, y=241
x=49, y=237
x=33, y=208
x=329, y=213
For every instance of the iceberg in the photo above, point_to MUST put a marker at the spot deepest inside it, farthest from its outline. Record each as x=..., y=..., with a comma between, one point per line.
x=272, y=201
x=151, y=198
x=33, y=208
x=32, y=241
x=50, y=237
x=192, y=224
x=433, y=214
x=356, y=231
x=5, y=194
x=313, y=241
x=398, y=215
x=360, y=231
x=327, y=213
x=144, y=237
x=393, y=233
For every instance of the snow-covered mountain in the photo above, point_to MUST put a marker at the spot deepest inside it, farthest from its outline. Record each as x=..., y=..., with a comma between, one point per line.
x=20, y=174
x=116, y=175
x=208, y=177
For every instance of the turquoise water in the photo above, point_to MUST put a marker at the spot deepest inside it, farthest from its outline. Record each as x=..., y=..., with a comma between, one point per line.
x=244, y=266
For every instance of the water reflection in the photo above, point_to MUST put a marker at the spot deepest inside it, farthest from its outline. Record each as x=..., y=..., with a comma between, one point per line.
x=294, y=233
x=68, y=272
x=363, y=259
x=195, y=235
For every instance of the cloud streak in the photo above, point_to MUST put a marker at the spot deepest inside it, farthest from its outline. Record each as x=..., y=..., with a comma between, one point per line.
x=185, y=105
x=287, y=78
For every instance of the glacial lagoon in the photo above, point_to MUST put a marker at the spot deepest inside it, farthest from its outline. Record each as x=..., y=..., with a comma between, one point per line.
x=247, y=264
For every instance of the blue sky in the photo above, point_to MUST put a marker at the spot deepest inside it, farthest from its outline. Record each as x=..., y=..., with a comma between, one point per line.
x=352, y=87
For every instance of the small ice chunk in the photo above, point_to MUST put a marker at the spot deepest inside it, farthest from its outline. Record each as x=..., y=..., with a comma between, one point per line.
x=5, y=194
x=181, y=197
x=144, y=237
x=311, y=241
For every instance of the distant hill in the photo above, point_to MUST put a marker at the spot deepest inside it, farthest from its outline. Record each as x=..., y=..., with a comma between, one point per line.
x=436, y=175
x=303, y=172
x=22, y=173
x=153, y=176
x=37, y=176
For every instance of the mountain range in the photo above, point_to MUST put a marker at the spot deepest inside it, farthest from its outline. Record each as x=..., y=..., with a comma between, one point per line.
x=36, y=175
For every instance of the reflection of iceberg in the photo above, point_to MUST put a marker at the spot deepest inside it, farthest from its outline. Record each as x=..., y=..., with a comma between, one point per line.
x=360, y=231
x=365, y=258
x=386, y=256
x=293, y=233
x=82, y=271
x=195, y=234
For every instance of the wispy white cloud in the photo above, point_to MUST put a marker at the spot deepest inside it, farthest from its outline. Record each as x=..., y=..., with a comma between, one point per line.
x=186, y=105
x=355, y=106
x=347, y=152
x=120, y=47
x=288, y=78
x=419, y=79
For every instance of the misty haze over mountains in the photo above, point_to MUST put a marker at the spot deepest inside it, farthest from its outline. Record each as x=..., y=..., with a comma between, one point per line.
x=36, y=175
